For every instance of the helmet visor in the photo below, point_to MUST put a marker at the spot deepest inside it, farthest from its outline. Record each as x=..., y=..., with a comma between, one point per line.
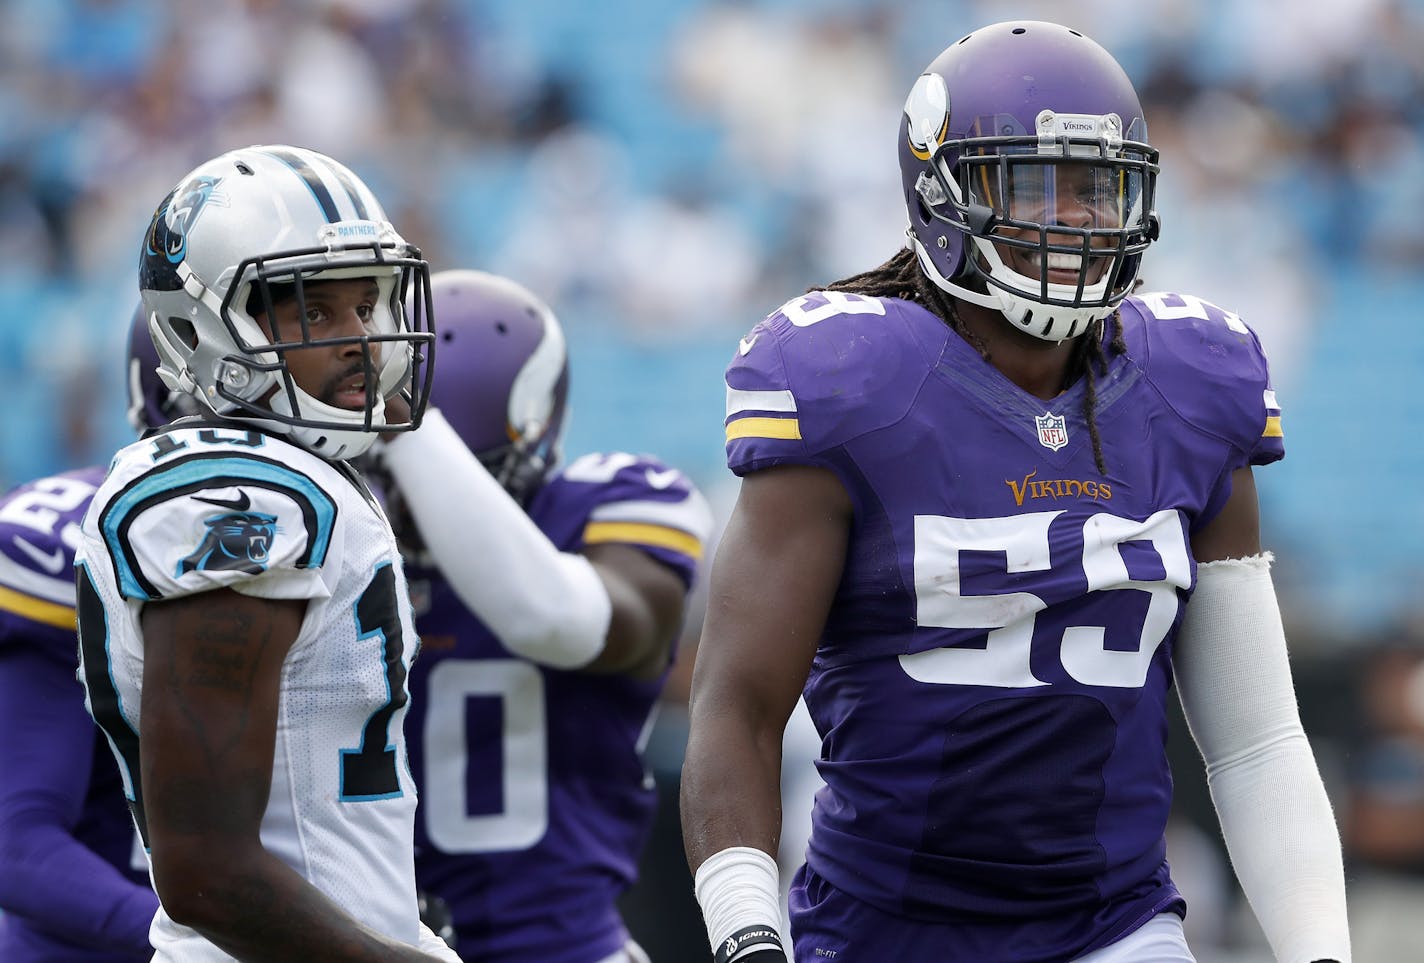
x=1028, y=191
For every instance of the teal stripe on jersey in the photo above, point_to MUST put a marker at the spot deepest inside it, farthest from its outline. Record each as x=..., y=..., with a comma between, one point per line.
x=200, y=473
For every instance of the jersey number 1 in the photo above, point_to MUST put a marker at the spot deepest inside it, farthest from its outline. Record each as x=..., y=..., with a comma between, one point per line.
x=369, y=771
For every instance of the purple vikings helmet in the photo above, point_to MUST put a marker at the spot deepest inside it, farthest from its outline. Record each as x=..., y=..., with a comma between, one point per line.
x=254, y=227
x=1028, y=178
x=151, y=403
x=505, y=375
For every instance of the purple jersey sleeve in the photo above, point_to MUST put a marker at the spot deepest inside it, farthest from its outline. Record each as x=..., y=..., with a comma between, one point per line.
x=823, y=369
x=66, y=840
x=1214, y=372
x=633, y=500
x=39, y=529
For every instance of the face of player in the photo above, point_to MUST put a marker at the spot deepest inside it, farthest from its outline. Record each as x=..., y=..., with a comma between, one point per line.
x=1079, y=196
x=334, y=374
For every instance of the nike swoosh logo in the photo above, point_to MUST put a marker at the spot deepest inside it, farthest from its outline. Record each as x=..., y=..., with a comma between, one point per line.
x=239, y=504
x=661, y=479
x=51, y=561
x=745, y=345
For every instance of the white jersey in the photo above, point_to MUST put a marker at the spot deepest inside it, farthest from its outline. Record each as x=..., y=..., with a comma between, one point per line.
x=206, y=507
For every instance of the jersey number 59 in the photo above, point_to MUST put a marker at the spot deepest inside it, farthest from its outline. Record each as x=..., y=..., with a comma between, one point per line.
x=1009, y=616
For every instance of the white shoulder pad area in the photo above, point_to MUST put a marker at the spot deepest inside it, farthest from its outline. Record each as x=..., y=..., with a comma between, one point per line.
x=218, y=518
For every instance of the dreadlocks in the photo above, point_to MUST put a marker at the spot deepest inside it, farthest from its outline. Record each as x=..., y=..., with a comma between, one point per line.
x=901, y=277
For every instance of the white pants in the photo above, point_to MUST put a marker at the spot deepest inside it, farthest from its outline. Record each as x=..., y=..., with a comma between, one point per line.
x=1159, y=940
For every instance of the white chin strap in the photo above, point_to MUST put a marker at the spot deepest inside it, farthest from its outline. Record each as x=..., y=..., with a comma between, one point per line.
x=1046, y=321
x=333, y=444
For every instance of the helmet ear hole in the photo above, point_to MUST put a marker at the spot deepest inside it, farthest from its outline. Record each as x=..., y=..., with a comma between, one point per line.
x=184, y=329
x=922, y=211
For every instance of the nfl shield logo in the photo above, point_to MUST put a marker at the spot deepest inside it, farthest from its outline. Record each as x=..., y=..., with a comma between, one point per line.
x=1052, y=431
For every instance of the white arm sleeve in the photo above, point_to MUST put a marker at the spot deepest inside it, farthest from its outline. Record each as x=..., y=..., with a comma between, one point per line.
x=543, y=604
x=1234, y=680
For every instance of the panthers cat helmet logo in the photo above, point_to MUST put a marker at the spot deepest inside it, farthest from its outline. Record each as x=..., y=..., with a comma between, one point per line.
x=168, y=232
x=246, y=230
x=997, y=132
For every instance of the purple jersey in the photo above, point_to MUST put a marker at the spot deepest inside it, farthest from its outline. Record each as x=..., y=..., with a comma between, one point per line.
x=534, y=800
x=67, y=881
x=990, y=688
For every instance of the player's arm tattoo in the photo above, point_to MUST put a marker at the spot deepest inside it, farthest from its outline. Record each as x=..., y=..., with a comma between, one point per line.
x=218, y=655
x=212, y=674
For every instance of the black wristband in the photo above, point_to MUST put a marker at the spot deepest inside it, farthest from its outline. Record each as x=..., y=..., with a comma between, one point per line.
x=747, y=942
x=764, y=955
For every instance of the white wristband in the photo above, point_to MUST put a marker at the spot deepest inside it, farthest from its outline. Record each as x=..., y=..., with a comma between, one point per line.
x=543, y=604
x=738, y=889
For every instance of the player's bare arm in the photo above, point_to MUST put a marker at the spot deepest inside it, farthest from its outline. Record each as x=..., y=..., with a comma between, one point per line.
x=776, y=570
x=648, y=598
x=211, y=679
x=1236, y=530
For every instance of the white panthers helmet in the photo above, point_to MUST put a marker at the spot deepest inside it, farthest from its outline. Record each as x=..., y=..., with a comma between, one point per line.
x=276, y=215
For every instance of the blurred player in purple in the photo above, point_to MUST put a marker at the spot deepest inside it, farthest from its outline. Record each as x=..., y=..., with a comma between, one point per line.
x=993, y=505
x=548, y=601
x=73, y=883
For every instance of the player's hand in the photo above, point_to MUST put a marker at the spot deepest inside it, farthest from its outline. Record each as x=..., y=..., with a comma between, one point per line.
x=435, y=913
x=397, y=412
x=397, y=408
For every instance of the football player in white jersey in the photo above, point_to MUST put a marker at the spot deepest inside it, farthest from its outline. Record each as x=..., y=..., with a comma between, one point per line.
x=245, y=628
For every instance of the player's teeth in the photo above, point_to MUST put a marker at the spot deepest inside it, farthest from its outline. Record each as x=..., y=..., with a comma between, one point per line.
x=1065, y=262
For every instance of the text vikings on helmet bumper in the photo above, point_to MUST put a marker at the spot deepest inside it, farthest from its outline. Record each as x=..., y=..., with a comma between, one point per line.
x=266, y=216
x=1033, y=158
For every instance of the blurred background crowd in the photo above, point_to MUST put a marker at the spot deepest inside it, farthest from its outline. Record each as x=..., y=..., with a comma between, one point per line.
x=665, y=173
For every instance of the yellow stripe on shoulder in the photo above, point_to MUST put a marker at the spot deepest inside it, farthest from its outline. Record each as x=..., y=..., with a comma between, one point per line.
x=1273, y=428
x=642, y=533
x=789, y=428
x=38, y=610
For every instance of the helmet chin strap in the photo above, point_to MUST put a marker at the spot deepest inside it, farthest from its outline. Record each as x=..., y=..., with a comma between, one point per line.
x=1054, y=323
x=332, y=443
x=945, y=284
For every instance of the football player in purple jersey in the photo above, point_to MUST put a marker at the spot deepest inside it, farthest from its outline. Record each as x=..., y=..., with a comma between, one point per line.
x=548, y=600
x=993, y=505
x=72, y=884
